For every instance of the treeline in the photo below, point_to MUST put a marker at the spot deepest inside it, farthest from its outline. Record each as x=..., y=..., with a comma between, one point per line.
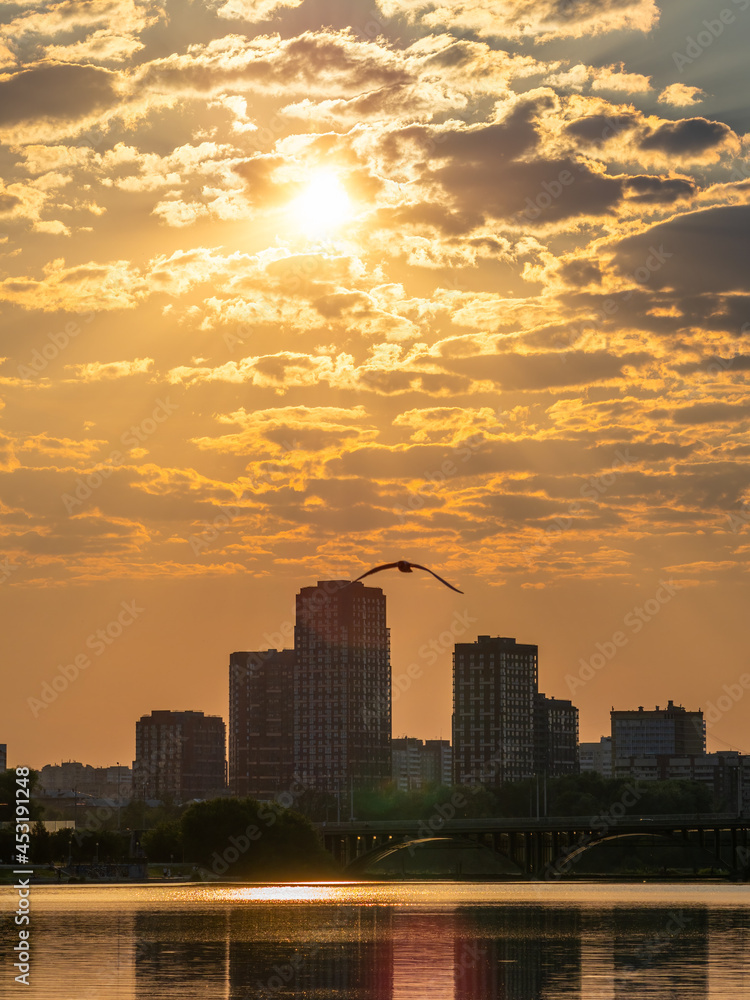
x=225, y=837
x=251, y=839
x=589, y=794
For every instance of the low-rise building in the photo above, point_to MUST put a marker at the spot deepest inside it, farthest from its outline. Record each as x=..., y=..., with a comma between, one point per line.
x=417, y=763
x=726, y=773
x=596, y=757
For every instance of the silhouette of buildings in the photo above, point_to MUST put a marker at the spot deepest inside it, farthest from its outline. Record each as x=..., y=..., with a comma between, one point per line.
x=3, y=756
x=504, y=729
x=319, y=714
x=416, y=763
x=179, y=756
x=555, y=737
x=670, y=730
x=494, y=686
x=261, y=719
x=342, y=687
x=99, y=782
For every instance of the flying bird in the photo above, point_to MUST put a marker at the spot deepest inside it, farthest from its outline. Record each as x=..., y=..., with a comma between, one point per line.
x=406, y=567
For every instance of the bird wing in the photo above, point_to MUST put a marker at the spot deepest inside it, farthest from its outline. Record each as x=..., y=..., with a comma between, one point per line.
x=417, y=566
x=377, y=569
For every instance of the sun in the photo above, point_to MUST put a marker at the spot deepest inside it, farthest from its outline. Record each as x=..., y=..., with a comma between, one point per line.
x=323, y=206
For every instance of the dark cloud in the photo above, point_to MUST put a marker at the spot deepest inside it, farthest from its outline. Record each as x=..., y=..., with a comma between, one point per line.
x=581, y=272
x=659, y=190
x=595, y=129
x=489, y=172
x=505, y=140
x=711, y=413
x=334, y=306
x=544, y=371
x=689, y=136
x=8, y=201
x=56, y=91
x=261, y=187
x=713, y=365
x=431, y=215
x=700, y=252
x=308, y=438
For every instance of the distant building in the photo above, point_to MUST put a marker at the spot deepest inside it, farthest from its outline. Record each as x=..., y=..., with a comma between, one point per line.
x=3, y=756
x=342, y=687
x=261, y=720
x=555, y=737
x=726, y=773
x=416, y=763
x=596, y=756
x=179, y=756
x=494, y=686
x=671, y=730
x=437, y=762
x=71, y=776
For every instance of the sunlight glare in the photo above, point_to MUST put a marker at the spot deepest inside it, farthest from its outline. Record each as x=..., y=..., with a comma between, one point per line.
x=323, y=206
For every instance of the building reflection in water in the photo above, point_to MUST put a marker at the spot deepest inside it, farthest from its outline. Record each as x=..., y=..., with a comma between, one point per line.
x=385, y=952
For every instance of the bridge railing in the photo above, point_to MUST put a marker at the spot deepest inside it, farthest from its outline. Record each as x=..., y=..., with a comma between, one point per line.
x=501, y=823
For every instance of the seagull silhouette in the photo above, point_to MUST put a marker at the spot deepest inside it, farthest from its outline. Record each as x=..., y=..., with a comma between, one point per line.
x=406, y=567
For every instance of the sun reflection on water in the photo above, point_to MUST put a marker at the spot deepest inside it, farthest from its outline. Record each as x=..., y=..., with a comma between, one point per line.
x=305, y=892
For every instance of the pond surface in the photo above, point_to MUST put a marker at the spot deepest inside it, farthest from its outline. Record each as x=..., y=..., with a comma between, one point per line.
x=365, y=941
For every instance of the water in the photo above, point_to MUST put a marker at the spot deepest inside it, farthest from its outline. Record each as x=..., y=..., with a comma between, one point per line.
x=363, y=941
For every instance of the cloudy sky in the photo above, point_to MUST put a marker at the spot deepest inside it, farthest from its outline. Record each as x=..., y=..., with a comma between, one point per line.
x=293, y=287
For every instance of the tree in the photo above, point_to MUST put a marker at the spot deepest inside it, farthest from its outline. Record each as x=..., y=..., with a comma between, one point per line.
x=254, y=840
x=164, y=842
x=8, y=789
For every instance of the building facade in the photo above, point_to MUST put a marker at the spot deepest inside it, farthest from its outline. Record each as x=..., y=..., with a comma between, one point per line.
x=437, y=762
x=671, y=730
x=342, y=687
x=555, y=737
x=417, y=763
x=726, y=774
x=261, y=720
x=495, y=681
x=596, y=756
x=179, y=756
x=99, y=782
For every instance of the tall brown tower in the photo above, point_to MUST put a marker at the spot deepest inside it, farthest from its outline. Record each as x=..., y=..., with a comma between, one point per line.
x=342, y=687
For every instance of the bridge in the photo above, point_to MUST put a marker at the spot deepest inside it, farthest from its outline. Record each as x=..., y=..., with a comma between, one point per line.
x=543, y=846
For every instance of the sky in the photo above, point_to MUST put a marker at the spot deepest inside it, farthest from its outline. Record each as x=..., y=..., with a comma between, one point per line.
x=290, y=288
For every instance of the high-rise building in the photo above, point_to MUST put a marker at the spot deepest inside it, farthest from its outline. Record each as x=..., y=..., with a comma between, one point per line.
x=179, y=756
x=261, y=720
x=416, y=763
x=671, y=730
x=3, y=756
x=555, y=736
x=596, y=756
x=342, y=687
x=494, y=684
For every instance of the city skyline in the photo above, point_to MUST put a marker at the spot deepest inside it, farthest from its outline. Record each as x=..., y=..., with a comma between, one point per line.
x=293, y=289
x=320, y=711
x=428, y=655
